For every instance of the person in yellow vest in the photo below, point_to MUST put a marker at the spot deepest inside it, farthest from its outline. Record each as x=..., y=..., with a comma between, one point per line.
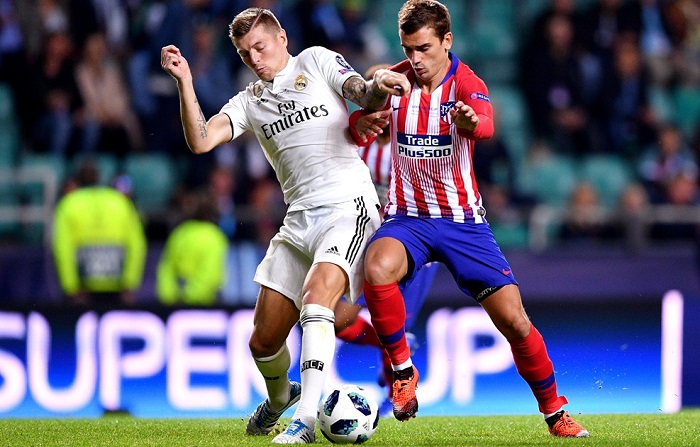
x=99, y=243
x=191, y=269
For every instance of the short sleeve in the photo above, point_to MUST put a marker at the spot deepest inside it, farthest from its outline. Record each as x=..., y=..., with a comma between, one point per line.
x=335, y=69
x=236, y=110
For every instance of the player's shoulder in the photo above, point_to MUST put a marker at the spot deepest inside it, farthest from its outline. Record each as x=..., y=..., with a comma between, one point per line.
x=322, y=56
x=314, y=55
x=464, y=75
x=464, y=70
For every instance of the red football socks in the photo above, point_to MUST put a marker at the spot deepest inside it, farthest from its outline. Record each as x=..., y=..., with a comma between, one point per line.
x=534, y=365
x=360, y=332
x=388, y=311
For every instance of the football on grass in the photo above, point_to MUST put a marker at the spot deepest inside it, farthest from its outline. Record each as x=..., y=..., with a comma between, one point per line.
x=347, y=416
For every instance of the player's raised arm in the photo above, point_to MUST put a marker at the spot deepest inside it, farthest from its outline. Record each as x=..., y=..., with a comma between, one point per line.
x=372, y=94
x=201, y=135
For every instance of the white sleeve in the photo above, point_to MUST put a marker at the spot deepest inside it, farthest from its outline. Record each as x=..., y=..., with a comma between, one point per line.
x=235, y=109
x=333, y=67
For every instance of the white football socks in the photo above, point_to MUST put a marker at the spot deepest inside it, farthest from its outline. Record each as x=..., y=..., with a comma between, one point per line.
x=274, y=370
x=317, y=351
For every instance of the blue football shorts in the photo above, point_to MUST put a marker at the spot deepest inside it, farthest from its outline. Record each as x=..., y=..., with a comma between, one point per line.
x=468, y=250
x=414, y=291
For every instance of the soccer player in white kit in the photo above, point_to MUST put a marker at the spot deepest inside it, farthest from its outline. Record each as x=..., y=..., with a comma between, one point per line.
x=297, y=112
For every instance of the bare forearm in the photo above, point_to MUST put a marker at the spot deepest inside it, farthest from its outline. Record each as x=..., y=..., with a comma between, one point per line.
x=194, y=124
x=365, y=94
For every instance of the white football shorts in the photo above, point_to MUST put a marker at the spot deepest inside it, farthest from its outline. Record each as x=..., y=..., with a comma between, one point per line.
x=336, y=233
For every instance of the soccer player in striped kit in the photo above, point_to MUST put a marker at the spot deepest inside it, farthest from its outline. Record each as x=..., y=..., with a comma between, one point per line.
x=435, y=211
x=350, y=326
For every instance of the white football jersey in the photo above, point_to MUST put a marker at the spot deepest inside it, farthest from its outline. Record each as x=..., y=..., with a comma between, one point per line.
x=300, y=119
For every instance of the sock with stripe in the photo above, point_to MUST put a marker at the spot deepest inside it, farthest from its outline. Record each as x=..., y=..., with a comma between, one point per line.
x=533, y=365
x=317, y=351
x=388, y=311
x=274, y=370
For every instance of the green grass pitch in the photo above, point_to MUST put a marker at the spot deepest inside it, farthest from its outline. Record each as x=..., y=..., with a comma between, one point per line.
x=618, y=430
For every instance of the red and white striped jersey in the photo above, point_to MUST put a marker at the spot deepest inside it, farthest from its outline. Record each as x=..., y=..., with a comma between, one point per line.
x=432, y=172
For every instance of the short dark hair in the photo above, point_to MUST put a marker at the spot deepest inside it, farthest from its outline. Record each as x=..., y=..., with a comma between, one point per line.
x=416, y=14
x=250, y=18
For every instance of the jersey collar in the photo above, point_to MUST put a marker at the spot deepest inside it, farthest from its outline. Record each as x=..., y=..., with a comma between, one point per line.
x=453, y=67
x=283, y=72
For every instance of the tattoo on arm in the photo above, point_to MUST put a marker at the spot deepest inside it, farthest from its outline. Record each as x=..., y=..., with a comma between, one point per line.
x=363, y=93
x=201, y=122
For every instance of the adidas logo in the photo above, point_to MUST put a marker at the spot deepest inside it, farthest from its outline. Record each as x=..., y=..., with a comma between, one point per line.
x=333, y=250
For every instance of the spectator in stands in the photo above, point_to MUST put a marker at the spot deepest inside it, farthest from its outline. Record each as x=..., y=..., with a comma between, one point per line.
x=110, y=122
x=598, y=26
x=537, y=34
x=625, y=110
x=601, y=23
x=55, y=95
x=54, y=16
x=192, y=267
x=665, y=163
x=586, y=219
x=552, y=85
x=681, y=191
x=632, y=216
x=656, y=43
x=99, y=243
x=683, y=25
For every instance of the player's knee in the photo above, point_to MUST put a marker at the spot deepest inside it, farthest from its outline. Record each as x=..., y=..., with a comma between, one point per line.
x=382, y=269
x=263, y=346
x=515, y=326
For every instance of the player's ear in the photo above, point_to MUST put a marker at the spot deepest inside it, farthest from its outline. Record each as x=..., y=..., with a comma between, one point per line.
x=447, y=41
x=282, y=35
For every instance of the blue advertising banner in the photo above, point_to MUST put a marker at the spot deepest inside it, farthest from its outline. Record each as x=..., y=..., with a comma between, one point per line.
x=152, y=362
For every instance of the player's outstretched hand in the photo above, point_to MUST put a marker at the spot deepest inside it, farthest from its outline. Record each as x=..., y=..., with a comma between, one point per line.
x=372, y=124
x=396, y=84
x=174, y=63
x=464, y=116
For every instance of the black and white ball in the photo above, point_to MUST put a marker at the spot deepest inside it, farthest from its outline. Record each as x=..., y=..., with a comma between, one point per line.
x=347, y=416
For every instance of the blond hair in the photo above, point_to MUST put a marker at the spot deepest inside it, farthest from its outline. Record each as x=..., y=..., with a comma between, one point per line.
x=250, y=18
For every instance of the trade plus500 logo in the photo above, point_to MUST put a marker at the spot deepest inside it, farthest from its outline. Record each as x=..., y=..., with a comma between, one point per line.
x=422, y=146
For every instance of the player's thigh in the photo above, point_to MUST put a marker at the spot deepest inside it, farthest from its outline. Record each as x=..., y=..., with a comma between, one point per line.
x=285, y=266
x=471, y=254
x=325, y=283
x=399, y=248
x=273, y=319
x=339, y=236
x=505, y=309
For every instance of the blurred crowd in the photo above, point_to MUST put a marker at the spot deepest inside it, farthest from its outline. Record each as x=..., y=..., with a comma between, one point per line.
x=610, y=93
x=618, y=78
